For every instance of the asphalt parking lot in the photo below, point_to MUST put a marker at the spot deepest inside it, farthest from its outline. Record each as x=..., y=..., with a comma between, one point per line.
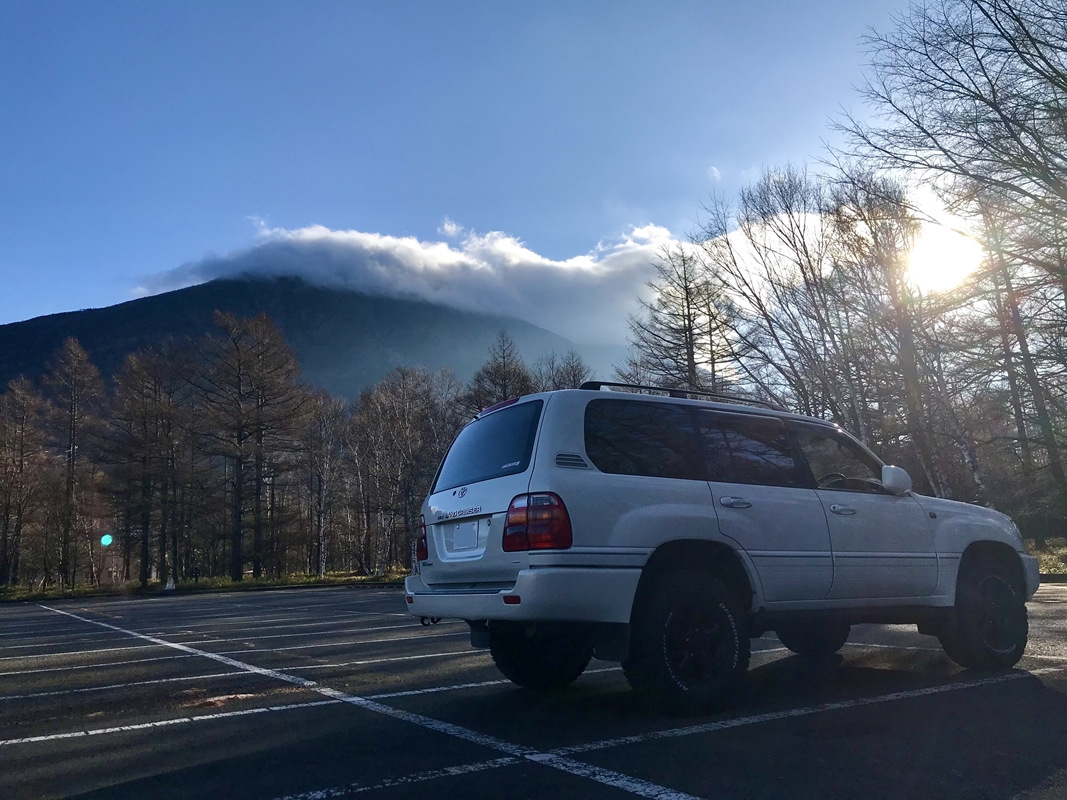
x=327, y=693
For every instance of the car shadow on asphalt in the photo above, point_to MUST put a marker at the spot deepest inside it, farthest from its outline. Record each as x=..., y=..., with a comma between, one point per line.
x=993, y=740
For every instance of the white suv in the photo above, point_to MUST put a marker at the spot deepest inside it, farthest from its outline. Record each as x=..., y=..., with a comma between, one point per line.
x=663, y=532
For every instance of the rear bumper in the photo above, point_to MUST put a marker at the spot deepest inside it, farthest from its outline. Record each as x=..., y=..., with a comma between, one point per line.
x=1033, y=574
x=569, y=594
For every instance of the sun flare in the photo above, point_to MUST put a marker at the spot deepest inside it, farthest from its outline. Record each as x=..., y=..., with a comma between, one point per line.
x=941, y=258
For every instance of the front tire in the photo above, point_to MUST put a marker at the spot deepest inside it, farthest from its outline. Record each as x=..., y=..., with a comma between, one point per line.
x=989, y=628
x=814, y=639
x=541, y=657
x=689, y=647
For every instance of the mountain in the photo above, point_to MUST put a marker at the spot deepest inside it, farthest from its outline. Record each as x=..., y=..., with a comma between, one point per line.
x=345, y=340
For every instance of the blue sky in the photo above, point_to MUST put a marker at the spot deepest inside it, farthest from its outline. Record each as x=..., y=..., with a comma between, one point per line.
x=140, y=137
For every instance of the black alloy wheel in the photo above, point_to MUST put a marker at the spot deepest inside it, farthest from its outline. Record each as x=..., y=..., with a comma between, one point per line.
x=988, y=629
x=689, y=649
x=698, y=643
x=999, y=621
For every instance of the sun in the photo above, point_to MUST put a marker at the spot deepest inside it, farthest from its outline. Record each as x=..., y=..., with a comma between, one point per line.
x=941, y=258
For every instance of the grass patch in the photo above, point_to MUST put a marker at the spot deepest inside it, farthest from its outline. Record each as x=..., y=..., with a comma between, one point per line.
x=215, y=584
x=1052, y=557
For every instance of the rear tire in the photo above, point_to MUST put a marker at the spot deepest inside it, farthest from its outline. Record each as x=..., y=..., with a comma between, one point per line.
x=689, y=647
x=541, y=657
x=816, y=639
x=989, y=628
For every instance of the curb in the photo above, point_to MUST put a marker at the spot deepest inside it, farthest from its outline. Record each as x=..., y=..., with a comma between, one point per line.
x=1054, y=577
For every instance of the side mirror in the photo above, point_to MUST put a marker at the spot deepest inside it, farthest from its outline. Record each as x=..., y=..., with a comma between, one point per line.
x=896, y=480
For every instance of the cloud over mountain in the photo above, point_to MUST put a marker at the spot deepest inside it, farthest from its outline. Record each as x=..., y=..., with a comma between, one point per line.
x=585, y=298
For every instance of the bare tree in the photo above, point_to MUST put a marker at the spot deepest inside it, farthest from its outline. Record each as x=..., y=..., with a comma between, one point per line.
x=504, y=375
x=247, y=384
x=75, y=387
x=23, y=461
x=972, y=94
x=323, y=449
x=551, y=372
x=678, y=335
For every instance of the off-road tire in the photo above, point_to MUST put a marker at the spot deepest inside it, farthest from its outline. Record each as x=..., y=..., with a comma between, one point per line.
x=541, y=657
x=689, y=648
x=988, y=628
x=815, y=639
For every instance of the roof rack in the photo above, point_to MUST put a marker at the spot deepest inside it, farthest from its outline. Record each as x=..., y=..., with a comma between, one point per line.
x=683, y=393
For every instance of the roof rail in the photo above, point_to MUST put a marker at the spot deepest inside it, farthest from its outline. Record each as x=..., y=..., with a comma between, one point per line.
x=683, y=393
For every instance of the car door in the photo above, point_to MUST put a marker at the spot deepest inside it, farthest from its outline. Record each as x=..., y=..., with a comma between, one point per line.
x=650, y=485
x=763, y=503
x=883, y=546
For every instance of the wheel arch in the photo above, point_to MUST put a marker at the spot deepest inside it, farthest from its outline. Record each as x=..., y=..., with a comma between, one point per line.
x=701, y=554
x=987, y=552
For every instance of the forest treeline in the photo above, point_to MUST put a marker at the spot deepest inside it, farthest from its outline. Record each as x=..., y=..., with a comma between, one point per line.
x=211, y=458
x=799, y=292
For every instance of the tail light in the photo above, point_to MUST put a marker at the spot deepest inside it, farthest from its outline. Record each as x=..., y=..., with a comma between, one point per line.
x=537, y=522
x=422, y=550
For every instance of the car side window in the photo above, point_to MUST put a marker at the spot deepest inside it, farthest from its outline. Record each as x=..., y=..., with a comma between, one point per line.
x=741, y=448
x=630, y=437
x=837, y=462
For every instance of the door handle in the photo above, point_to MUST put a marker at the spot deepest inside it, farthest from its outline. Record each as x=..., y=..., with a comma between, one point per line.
x=843, y=510
x=734, y=502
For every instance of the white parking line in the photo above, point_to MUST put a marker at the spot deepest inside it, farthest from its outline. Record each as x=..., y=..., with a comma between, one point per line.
x=346, y=632
x=238, y=613
x=1044, y=657
x=187, y=678
x=458, y=686
x=894, y=647
x=604, y=776
x=417, y=777
x=436, y=689
x=608, y=777
x=66, y=639
x=79, y=652
x=255, y=626
x=556, y=759
x=797, y=712
x=769, y=650
x=33, y=623
x=1047, y=670
x=119, y=686
x=390, y=659
x=92, y=666
x=933, y=650
x=341, y=644
x=241, y=618
x=163, y=723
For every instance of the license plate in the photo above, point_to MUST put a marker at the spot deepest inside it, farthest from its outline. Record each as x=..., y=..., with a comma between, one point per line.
x=465, y=536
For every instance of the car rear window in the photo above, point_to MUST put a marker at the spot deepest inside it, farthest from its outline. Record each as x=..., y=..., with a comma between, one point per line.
x=747, y=449
x=628, y=437
x=498, y=444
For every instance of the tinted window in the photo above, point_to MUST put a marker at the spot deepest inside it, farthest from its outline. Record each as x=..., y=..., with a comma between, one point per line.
x=837, y=462
x=628, y=437
x=496, y=445
x=746, y=449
